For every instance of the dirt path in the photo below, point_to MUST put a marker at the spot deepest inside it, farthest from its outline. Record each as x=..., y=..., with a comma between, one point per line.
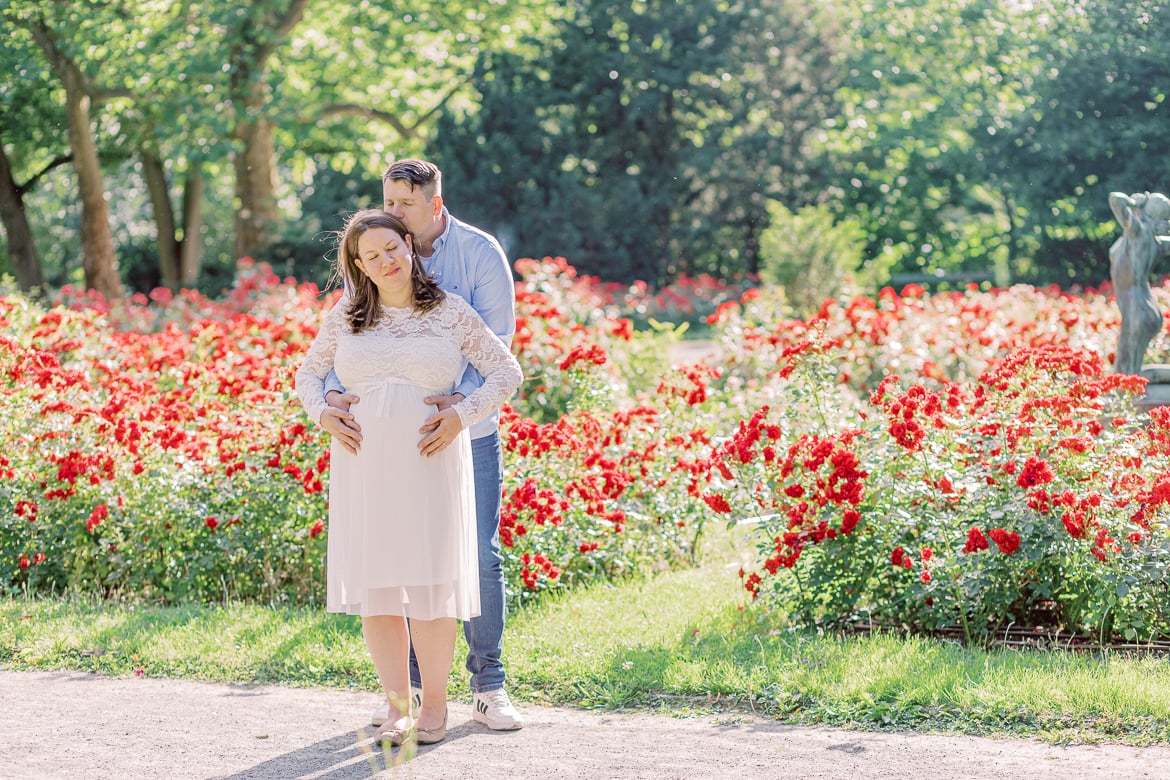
x=77, y=725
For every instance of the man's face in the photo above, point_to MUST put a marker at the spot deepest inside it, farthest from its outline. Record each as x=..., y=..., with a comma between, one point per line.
x=421, y=214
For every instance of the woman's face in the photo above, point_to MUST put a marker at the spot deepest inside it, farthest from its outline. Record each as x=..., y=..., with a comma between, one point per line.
x=386, y=257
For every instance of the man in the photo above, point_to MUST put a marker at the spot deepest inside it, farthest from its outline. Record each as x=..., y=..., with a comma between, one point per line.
x=470, y=263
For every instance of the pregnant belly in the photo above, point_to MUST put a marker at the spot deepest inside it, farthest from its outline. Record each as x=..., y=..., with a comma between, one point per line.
x=395, y=404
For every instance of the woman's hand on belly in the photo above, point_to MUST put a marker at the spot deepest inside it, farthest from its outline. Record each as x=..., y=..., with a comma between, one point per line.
x=439, y=430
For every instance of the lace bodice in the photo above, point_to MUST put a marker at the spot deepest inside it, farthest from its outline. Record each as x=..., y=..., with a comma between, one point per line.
x=428, y=349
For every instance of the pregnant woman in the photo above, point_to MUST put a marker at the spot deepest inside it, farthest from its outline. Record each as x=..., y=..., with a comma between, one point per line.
x=402, y=537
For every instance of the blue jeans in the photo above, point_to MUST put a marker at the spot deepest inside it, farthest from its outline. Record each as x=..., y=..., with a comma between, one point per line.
x=484, y=634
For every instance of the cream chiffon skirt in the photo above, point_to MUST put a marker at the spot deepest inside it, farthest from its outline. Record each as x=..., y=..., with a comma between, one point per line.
x=402, y=537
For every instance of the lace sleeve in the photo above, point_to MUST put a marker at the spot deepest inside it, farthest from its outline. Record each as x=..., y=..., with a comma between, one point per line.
x=310, y=378
x=490, y=357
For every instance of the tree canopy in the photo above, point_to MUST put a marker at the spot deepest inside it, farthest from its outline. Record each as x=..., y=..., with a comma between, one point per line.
x=662, y=128
x=153, y=142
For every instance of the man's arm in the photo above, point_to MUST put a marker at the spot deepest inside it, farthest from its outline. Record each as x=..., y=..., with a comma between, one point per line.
x=493, y=296
x=333, y=384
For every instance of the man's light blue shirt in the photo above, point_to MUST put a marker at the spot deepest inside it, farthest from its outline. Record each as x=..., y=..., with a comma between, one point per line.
x=470, y=263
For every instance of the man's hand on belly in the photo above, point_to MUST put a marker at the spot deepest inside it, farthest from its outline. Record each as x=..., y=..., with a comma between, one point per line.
x=338, y=421
x=443, y=401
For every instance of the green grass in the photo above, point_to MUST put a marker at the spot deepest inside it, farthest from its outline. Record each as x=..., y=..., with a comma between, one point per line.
x=675, y=643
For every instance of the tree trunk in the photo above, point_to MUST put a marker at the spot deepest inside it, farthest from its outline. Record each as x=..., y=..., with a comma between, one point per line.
x=97, y=240
x=164, y=218
x=256, y=213
x=1003, y=275
x=180, y=259
x=751, y=246
x=22, y=252
x=191, y=248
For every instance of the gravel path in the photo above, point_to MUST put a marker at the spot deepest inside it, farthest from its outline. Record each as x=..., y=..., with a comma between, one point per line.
x=78, y=725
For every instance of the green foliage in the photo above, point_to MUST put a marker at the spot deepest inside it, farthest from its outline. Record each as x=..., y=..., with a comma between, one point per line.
x=32, y=123
x=661, y=128
x=986, y=136
x=182, y=72
x=927, y=82
x=642, y=140
x=1095, y=123
x=813, y=256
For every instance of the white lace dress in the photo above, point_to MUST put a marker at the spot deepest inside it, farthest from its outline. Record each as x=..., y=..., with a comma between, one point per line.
x=402, y=537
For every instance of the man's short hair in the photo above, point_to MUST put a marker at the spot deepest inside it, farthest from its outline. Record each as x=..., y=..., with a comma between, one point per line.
x=420, y=173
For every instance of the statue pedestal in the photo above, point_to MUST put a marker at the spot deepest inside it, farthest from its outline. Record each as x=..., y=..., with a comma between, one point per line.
x=1158, y=390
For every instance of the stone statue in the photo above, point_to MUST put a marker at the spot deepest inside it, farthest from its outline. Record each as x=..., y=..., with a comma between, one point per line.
x=1145, y=223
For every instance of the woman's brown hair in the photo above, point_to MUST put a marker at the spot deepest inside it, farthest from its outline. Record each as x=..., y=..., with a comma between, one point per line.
x=363, y=300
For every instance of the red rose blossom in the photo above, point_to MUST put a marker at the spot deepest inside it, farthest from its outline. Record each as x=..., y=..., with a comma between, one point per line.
x=1007, y=541
x=1035, y=472
x=976, y=541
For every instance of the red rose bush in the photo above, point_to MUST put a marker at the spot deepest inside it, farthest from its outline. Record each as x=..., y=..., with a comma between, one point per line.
x=1030, y=495
x=931, y=461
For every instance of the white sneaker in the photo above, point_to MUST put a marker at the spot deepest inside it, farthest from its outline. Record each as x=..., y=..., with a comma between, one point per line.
x=382, y=714
x=494, y=709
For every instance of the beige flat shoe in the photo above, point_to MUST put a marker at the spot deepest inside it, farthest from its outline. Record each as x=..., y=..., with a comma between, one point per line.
x=395, y=736
x=431, y=736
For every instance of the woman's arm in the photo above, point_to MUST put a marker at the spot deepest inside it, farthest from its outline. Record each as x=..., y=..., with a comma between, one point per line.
x=318, y=364
x=490, y=356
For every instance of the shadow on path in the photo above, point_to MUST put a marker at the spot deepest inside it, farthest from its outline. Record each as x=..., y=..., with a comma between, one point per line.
x=68, y=725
